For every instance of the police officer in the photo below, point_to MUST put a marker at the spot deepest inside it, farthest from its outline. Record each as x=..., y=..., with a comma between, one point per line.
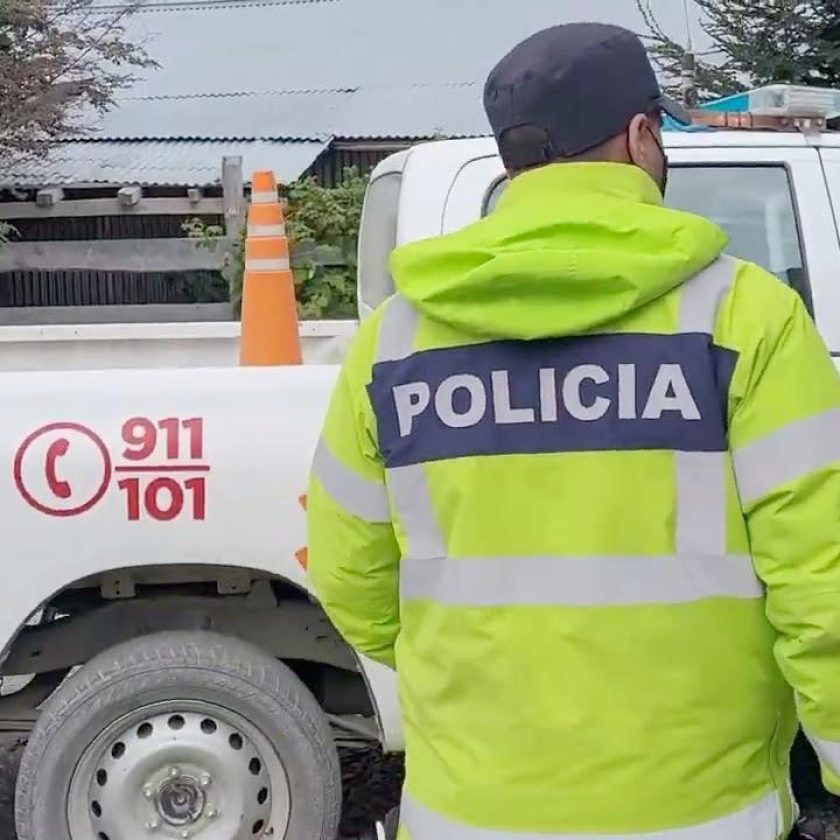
x=580, y=484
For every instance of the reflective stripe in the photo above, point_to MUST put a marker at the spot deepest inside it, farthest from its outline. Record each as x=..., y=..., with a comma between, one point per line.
x=266, y=230
x=702, y=295
x=577, y=581
x=267, y=265
x=701, y=504
x=700, y=477
x=787, y=454
x=828, y=752
x=409, y=488
x=398, y=330
x=365, y=499
x=760, y=821
x=266, y=197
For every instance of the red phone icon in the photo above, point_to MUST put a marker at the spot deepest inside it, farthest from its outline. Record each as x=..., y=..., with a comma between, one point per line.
x=60, y=489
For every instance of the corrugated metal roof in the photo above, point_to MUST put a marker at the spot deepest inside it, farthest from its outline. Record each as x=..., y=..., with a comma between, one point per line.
x=252, y=46
x=367, y=112
x=261, y=70
x=146, y=162
x=348, y=68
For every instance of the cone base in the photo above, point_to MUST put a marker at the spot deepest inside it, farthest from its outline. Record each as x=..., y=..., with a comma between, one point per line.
x=269, y=320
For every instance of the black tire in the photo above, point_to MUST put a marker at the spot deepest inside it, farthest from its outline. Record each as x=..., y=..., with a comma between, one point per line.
x=12, y=745
x=193, y=666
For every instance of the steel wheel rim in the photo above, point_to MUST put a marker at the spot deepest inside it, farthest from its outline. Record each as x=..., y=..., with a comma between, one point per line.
x=179, y=769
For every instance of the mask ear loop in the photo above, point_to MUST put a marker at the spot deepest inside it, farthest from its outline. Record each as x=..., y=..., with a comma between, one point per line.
x=659, y=145
x=657, y=141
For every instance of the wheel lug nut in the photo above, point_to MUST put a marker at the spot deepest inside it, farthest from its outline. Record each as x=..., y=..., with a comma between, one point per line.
x=205, y=780
x=212, y=813
x=153, y=824
x=185, y=834
x=174, y=772
x=148, y=791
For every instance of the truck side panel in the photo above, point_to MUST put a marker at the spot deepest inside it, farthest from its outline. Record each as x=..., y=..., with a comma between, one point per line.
x=106, y=470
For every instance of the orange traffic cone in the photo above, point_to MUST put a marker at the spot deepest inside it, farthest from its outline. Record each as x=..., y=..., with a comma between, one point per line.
x=270, y=333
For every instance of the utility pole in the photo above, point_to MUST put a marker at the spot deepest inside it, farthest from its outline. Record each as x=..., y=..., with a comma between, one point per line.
x=689, y=65
x=689, y=78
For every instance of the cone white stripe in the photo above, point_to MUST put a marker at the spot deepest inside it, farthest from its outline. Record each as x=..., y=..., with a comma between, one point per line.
x=267, y=197
x=267, y=265
x=266, y=230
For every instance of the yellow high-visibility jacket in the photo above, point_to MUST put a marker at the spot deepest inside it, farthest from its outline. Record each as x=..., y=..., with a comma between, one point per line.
x=580, y=485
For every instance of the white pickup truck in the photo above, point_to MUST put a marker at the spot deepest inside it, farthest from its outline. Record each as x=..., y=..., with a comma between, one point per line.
x=185, y=684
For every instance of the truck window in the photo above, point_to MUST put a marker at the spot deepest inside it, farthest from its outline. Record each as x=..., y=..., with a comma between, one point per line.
x=753, y=204
x=378, y=234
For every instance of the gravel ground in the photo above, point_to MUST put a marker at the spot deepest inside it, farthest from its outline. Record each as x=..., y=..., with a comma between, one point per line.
x=832, y=823
x=812, y=797
x=372, y=784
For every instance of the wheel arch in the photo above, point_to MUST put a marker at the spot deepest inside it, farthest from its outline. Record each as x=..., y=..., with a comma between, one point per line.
x=85, y=616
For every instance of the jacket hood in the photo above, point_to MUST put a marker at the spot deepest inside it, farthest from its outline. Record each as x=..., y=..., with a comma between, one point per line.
x=570, y=248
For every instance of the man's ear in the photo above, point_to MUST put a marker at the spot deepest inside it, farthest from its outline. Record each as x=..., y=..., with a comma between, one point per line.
x=637, y=141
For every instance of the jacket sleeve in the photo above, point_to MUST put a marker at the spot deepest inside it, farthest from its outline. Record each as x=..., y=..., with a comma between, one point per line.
x=785, y=441
x=353, y=557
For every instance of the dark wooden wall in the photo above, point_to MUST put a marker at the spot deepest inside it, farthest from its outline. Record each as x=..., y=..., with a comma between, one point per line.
x=53, y=275
x=362, y=156
x=89, y=247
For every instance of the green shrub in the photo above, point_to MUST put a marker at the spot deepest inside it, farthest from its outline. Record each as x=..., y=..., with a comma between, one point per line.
x=7, y=231
x=323, y=228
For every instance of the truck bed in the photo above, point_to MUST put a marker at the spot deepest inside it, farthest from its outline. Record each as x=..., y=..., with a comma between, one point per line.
x=169, y=345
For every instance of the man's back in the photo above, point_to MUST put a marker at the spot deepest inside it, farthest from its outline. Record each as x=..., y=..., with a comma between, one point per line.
x=581, y=444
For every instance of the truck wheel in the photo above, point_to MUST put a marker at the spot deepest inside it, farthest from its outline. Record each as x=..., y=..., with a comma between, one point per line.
x=180, y=735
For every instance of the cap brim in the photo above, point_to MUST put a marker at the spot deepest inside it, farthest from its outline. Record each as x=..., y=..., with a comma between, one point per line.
x=674, y=110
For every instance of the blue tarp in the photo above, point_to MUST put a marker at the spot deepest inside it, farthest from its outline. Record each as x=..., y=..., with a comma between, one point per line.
x=738, y=102
x=669, y=124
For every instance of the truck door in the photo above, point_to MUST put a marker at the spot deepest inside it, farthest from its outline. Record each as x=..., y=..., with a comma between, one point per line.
x=831, y=291
x=773, y=203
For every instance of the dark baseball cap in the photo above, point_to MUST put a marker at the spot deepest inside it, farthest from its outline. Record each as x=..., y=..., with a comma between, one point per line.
x=570, y=88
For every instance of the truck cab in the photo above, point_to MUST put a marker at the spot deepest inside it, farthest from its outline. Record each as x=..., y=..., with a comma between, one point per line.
x=775, y=191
